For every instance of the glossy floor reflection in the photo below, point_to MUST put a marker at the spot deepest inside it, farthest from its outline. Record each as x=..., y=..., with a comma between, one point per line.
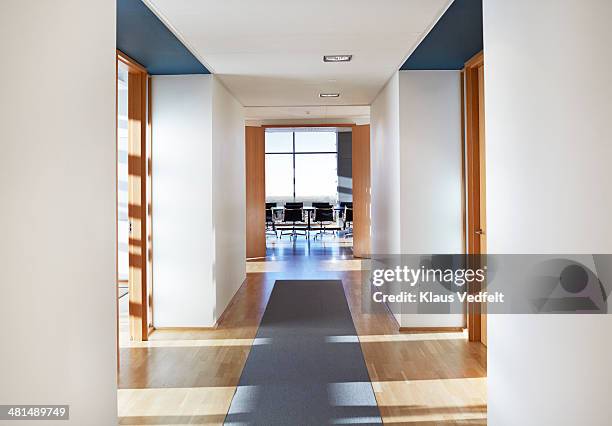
x=331, y=247
x=190, y=376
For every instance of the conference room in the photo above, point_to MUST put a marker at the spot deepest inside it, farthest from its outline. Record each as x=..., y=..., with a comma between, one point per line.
x=308, y=187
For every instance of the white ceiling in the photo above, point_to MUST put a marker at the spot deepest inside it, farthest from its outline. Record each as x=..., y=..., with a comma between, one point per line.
x=269, y=52
x=322, y=114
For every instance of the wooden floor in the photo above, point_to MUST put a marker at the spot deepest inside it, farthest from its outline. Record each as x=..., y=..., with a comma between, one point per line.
x=189, y=377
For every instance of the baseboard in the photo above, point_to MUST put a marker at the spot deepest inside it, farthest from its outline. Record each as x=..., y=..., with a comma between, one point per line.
x=430, y=329
x=214, y=327
x=185, y=328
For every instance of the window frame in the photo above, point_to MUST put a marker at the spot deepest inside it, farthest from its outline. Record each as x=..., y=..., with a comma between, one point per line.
x=294, y=153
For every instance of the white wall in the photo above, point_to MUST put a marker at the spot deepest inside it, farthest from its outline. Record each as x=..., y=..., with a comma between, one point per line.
x=229, y=197
x=198, y=200
x=416, y=172
x=57, y=215
x=548, y=109
x=385, y=169
x=183, y=293
x=430, y=178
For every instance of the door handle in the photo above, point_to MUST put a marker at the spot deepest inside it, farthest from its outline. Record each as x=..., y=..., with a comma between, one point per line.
x=479, y=232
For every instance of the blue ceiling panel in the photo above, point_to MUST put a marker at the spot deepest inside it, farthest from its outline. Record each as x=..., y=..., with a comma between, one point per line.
x=144, y=38
x=456, y=37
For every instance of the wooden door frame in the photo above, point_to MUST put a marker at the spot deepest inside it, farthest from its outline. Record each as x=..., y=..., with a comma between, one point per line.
x=361, y=189
x=472, y=184
x=139, y=122
x=255, y=181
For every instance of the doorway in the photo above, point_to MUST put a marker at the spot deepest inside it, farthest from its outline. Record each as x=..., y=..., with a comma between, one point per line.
x=302, y=195
x=308, y=190
x=476, y=238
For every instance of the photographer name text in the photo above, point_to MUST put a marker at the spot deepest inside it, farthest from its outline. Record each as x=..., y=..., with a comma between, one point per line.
x=431, y=297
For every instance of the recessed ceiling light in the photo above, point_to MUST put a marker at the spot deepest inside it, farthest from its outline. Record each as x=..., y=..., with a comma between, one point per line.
x=329, y=95
x=337, y=58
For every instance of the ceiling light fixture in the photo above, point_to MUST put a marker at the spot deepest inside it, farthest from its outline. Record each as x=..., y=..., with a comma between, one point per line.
x=329, y=95
x=337, y=58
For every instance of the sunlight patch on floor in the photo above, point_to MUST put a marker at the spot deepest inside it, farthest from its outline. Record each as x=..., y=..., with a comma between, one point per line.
x=204, y=401
x=436, y=400
x=265, y=266
x=341, y=265
x=416, y=337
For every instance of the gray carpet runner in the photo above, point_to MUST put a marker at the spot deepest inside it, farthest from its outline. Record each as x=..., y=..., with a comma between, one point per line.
x=306, y=366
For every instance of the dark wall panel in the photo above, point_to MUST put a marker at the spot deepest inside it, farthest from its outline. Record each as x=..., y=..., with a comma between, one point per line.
x=345, y=166
x=456, y=37
x=144, y=38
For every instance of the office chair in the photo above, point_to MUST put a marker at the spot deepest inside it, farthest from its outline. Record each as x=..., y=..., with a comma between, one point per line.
x=293, y=213
x=343, y=206
x=294, y=205
x=324, y=214
x=270, y=220
x=348, y=219
x=317, y=205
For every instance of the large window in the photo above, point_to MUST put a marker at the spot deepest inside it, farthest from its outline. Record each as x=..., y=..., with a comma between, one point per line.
x=301, y=165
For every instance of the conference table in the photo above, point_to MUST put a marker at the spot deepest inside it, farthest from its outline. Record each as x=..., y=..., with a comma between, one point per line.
x=309, y=210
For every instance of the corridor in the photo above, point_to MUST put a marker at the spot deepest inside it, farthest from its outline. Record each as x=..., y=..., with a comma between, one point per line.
x=190, y=376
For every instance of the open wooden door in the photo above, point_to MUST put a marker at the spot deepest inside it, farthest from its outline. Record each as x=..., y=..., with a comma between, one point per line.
x=476, y=184
x=139, y=200
x=149, y=209
x=255, y=168
x=361, y=191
